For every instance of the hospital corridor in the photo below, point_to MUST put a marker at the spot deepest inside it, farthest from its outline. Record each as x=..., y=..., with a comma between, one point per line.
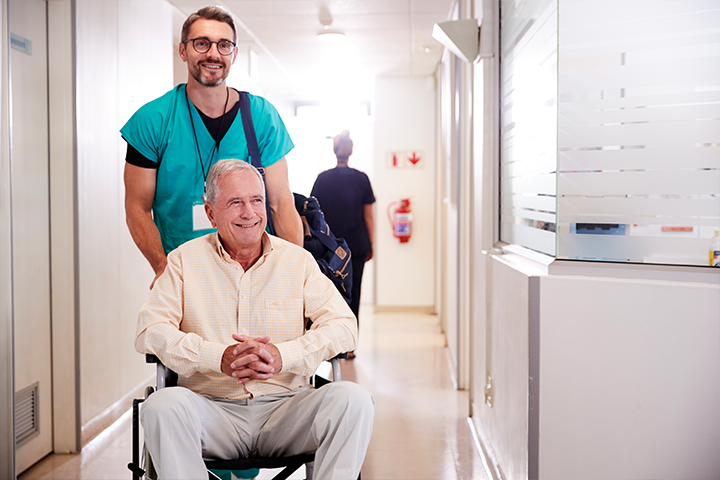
x=506, y=213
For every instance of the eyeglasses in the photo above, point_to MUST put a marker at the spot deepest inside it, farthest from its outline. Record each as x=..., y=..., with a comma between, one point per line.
x=203, y=45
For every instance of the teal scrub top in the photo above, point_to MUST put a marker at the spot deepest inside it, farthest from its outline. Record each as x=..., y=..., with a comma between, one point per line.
x=162, y=131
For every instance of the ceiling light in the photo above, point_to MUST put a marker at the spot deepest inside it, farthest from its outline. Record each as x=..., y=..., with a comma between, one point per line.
x=326, y=21
x=331, y=36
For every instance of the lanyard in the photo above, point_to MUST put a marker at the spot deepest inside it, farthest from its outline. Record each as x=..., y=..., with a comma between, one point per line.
x=216, y=147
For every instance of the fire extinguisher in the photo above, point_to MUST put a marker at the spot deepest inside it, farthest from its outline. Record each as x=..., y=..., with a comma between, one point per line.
x=401, y=220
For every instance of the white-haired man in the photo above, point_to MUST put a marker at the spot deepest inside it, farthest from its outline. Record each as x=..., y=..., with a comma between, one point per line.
x=229, y=315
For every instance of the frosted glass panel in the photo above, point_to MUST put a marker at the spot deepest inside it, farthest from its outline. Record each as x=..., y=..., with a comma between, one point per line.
x=528, y=66
x=638, y=130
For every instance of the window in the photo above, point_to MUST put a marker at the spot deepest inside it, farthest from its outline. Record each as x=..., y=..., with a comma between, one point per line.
x=610, y=141
x=528, y=115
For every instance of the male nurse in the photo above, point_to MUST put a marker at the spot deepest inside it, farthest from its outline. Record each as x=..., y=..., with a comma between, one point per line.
x=174, y=140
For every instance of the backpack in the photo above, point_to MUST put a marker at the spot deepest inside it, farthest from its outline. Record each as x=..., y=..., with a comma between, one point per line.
x=331, y=253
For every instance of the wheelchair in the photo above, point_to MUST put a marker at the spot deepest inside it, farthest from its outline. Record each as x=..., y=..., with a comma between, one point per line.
x=290, y=464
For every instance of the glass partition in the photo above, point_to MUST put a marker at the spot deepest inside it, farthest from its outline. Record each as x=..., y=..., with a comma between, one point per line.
x=528, y=144
x=639, y=130
x=611, y=129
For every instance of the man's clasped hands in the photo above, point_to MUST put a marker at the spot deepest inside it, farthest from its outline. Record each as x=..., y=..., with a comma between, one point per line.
x=251, y=359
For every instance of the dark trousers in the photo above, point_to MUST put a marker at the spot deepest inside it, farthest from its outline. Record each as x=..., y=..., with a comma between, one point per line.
x=358, y=264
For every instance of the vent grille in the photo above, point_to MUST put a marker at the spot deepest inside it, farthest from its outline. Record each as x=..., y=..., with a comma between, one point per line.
x=26, y=414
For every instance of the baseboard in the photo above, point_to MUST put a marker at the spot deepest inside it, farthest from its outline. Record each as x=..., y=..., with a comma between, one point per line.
x=111, y=414
x=492, y=467
x=426, y=310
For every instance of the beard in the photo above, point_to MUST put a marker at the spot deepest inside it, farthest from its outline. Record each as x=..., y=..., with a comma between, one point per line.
x=196, y=73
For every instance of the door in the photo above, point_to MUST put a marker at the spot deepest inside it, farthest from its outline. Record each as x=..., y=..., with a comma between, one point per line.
x=31, y=230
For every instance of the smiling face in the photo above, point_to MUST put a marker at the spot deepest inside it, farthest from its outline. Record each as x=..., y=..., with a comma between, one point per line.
x=239, y=212
x=209, y=69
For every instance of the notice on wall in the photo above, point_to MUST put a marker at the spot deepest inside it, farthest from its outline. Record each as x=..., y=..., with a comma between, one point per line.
x=405, y=159
x=20, y=44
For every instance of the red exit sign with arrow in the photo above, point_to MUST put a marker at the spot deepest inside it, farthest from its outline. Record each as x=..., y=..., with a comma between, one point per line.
x=405, y=159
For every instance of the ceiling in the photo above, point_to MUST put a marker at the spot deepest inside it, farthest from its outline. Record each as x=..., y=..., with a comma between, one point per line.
x=382, y=37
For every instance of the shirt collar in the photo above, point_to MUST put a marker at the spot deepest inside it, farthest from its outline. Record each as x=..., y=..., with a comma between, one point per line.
x=267, y=246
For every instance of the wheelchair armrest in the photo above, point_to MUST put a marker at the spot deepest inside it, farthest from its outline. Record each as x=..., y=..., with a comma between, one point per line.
x=168, y=378
x=150, y=358
x=165, y=376
x=336, y=373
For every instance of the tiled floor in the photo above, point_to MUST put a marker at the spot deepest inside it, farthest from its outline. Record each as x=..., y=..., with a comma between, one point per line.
x=420, y=432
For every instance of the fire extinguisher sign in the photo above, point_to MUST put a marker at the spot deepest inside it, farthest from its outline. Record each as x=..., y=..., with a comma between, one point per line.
x=405, y=159
x=402, y=224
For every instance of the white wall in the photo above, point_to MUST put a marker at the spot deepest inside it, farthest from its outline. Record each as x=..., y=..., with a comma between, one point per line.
x=123, y=61
x=502, y=337
x=629, y=371
x=448, y=218
x=404, y=120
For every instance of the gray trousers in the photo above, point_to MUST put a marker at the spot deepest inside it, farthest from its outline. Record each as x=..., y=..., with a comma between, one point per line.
x=181, y=428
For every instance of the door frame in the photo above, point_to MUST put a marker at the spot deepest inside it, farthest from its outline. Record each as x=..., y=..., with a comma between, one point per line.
x=7, y=382
x=64, y=256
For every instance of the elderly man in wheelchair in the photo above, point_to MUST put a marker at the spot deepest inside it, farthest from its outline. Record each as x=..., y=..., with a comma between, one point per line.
x=229, y=316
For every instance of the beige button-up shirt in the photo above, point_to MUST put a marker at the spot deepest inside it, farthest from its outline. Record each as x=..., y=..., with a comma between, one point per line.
x=204, y=296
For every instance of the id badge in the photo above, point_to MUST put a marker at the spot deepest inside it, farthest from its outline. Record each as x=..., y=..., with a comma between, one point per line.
x=200, y=218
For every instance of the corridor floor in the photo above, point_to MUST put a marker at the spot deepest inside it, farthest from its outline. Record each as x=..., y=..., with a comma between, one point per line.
x=420, y=431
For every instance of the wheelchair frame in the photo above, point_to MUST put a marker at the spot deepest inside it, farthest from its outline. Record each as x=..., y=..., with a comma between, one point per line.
x=168, y=378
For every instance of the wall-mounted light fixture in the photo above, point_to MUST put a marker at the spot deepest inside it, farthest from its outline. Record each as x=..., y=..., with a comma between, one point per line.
x=461, y=37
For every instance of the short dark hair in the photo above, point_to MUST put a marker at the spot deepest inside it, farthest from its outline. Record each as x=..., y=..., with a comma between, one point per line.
x=343, y=144
x=211, y=12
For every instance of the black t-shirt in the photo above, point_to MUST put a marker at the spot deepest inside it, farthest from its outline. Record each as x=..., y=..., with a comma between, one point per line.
x=343, y=193
x=217, y=127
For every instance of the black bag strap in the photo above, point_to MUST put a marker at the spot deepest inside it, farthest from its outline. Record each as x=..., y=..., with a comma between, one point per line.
x=253, y=150
x=333, y=245
x=329, y=242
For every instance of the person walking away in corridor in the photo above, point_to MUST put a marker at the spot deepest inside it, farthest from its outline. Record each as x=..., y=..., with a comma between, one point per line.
x=346, y=198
